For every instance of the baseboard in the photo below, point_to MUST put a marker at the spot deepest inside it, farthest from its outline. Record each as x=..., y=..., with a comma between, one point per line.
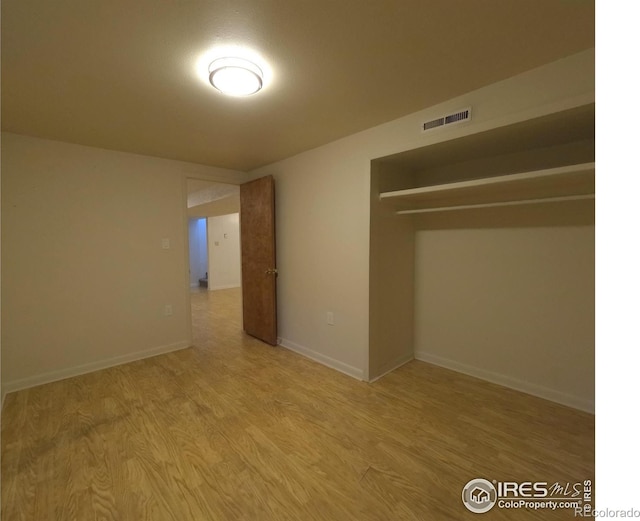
x=54, y=376
x=349, y=370
x=229, y=286
x=392, y=366
x=540, y=391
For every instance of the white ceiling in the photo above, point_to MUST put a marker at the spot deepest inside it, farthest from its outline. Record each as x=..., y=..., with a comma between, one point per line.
x=202, y=192
x=122, y=74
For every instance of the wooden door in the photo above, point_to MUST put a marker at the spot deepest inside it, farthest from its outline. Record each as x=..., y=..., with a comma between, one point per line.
x=258, y=246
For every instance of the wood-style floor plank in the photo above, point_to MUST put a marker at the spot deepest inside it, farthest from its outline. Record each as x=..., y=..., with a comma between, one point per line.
x=233, y=429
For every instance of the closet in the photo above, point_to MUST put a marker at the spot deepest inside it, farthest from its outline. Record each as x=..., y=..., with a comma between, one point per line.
x=482, y=256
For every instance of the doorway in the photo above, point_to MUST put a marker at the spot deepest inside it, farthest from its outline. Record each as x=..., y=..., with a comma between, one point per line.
x=214, y=254
x=198, y=253
x=249, y=263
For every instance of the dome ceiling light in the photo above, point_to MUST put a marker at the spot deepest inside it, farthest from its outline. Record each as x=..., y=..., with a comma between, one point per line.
x=235, y=76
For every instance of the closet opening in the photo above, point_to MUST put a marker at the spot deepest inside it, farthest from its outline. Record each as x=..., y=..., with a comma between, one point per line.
x=482, y=256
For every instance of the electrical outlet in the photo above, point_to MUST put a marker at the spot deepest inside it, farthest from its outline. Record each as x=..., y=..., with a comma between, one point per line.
x=330, y=318
x=168, y=310
x=166, y=244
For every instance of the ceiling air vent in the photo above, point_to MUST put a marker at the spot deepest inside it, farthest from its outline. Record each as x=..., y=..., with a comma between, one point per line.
x=449, y=119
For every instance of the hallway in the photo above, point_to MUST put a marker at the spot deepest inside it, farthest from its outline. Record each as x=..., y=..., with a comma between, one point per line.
x=216, y=316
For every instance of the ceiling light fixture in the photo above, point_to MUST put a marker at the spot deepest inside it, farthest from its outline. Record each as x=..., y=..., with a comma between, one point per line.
x=235, y=76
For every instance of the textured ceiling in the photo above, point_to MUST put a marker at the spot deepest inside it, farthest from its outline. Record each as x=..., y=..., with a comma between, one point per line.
x=122, y=74
x=202, y=192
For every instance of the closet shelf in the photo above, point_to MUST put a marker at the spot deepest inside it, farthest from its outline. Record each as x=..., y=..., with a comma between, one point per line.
x=553, y=184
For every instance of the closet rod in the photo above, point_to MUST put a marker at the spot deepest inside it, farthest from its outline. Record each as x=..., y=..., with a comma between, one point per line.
x=504, y=203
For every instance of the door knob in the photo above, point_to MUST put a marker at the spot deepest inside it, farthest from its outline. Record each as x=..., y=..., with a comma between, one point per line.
x=271, y=271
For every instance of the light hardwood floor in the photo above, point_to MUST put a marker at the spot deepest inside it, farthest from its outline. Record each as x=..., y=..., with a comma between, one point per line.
x=233, y=429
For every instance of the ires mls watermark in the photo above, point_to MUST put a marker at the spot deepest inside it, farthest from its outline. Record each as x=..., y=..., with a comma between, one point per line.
x=481, y=495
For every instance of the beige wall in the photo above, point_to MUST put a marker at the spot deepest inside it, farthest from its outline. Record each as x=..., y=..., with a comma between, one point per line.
x=513, y=305
x=391, y=268
x=323, y=200
x=322, y=208
x=84, y=277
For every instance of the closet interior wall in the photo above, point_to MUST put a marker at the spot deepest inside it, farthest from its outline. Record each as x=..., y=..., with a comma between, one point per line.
x=391, y=274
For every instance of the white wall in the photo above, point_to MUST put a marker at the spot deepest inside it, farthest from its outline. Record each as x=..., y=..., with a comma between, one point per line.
x=322, y=198
x=198, y=257
x=512, y=305
x=84, y=276
x=224, y=251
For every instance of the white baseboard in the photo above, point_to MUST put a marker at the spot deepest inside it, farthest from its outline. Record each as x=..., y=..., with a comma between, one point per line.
x=349, y=370
x=392, y=366
x=507, y=381
x=53, y=376
x=229, y=286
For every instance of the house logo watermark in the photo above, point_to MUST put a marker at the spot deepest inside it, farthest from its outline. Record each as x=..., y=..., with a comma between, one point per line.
x=481, y=495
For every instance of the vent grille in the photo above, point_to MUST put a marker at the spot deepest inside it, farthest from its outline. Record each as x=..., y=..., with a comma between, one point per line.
x=449, y=119
x=434, y=123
